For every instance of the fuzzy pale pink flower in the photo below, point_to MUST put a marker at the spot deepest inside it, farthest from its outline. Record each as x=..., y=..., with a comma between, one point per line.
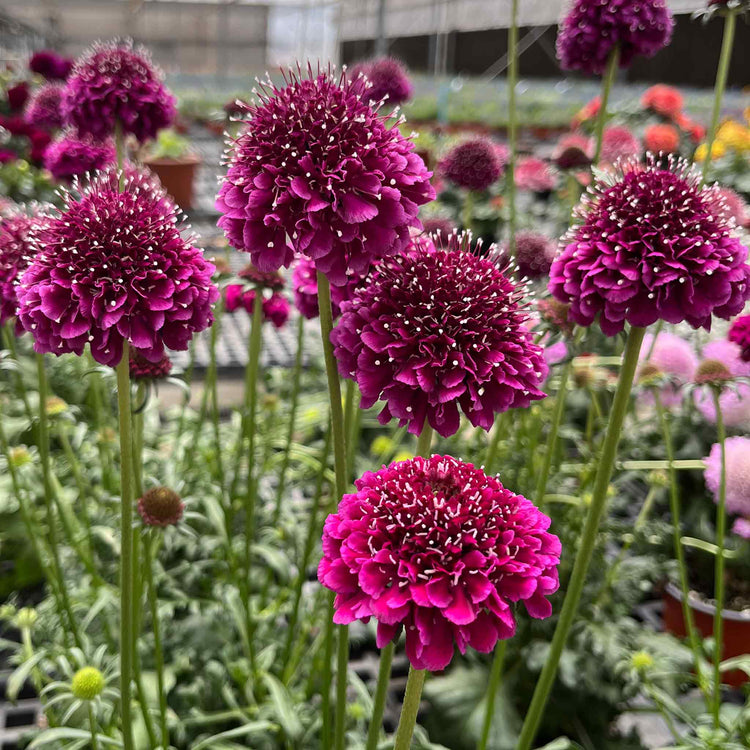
x=440, y=549
x=672, y=357
x=739, y=333
x=737, y=463
x=534, y=175
x=474, y=164
x=316, y=171
x=554, y=353
x=741, y=527
x=43, y=108
x=651, y=246
x=388, y=80
x=734, y=400
x=438, y=331
x=619, y=143
x=592, y=28
x=111, y=267
x=68, y=157
x=113, y=84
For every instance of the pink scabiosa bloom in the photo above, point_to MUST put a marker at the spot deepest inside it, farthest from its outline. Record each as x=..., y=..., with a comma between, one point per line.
x=650, y=245
x=573, y=151
x=737, y=463
x=592, y=28
x=440, y=549
x=114, y=83
x=143, y=369
x=161, y=506
x=734, y=400
x=474, y=164
x=739, y=333
x=619, y=143
x=666, y=101
x=388, y=79
x=276, y=309
x=49, y=64
x=43, y=109
x=112, y=266
x=733, y=206
x=534, y=254
x=670, y=356
x=316, y=171
x=534, y=175
x=69, y=156
x=741, y=527
x=438, y=331
x=554, y=353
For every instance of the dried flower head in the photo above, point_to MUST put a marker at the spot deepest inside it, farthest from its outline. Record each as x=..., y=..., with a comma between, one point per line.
x=43, y=109
x=161, y=506
x=651, y=245
x=437, y=547
x=712, y=372
x=316, y=171
x=555, y=313
x=737, y=464
x=474, y=164
x=68, y=157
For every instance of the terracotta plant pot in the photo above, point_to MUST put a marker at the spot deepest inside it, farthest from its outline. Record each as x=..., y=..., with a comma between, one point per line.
x=177, y=176
x=736, y=628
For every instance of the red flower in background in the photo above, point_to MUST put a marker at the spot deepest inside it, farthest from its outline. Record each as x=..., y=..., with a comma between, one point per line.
x=662, y=138
x=664, y=100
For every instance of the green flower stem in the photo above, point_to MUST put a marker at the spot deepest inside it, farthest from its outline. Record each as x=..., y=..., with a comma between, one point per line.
x=496, y=673
x=467, y=215
x=327, y=672
x=424, y=449
x=494, y=446
x=10, y=344
x=512, y=126
x=339, y=463
x=188, y=377
x=588, y=541
x=212, y=386
x=126, y=556
x=49, y=501
x=350, y=409
x=722, y=72
x=296, y=378
x=719, y=583
x=92, y=726
x=101, y=419
x=153, y=600
x=610, y=74
x=674, y=509
x=409, y=710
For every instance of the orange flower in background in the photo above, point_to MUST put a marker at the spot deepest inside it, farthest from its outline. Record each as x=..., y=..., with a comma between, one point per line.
x=588, y=112
x=662, y=138
x=664, y=100
x=695, y=130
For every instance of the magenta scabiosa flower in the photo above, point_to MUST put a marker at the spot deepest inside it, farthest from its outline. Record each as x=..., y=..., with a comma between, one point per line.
x=737, y=464
x=388, y=79
x=115, y=83
x=739, y=333
x=734, y=400
x=275, y=308
x=316, y=171
x=619, y=143
x=534, y=175
x=440, y=549
x=591, y=29
x=143, y=369
x=68, y=157
x=669, y=356
x=474, y=164
x=43, y=108
x=650, y=245
x=438, y=331
x=49, y=64
x=112, y=266
x=161, y=506
x=534, y=254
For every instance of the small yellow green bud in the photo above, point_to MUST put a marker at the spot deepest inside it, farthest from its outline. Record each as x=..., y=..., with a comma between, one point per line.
x=403, y=456
x=381, y=445
x=642, y=661
x=87, y=683
x=55, y=406
x=19, y=456
x=26, y=618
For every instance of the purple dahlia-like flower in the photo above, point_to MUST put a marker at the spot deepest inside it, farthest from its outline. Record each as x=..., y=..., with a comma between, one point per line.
x=112, y=266
x=739, y=333
x=114, y=83
x=534, y=254
x=437, y=547
x=43, y=108
x=619, y=143
x=49, y=64
x=438, y=331
x=68, y=157
x=592, y=28
x=316, y=171
x=473, y=164
x=651, y=245
x=734, y=400
x=16, y=252
x=737, y=464
x=388, y=80
x=670, y=356
x=143, y=369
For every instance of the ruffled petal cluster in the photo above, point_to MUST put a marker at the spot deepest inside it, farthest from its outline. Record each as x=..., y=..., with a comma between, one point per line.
x=275, y=308
x=112, y=266
x=651, y=245
x=316, y=171
x=737, y=472
x=436, y=332
x=440, y=549
x=69, y=156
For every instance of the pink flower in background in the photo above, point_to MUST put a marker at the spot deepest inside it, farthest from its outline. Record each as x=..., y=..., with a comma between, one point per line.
x=69, y=156
x=473, y=164
x=619, y=143
x=737, y=472
x=275, y=308
x=554, y=353
x=742, y=527
x=734, y=401
x=438, y=548
x=534, y=175
x=43, y=108
x=673, y=357
x=739, y=333
x=733, y=206
x=17, y=96
x=662, y=138
x=573, y=151
x=666, y=101
x=649, y=245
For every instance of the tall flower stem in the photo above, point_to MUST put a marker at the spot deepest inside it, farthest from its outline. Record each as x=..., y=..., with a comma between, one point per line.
x=674, y=509
x=588, y=540
x=126, y=555
x=424, y=445
x=730, y=26
x=339, y=462
x=496, y=673
x=512, y=125
x=294, y=400
x=212, y=386
x=49, y=503
x=21, y=387
x=719, y=583
x=92, y=727
x=409, y=710
x=610, y=73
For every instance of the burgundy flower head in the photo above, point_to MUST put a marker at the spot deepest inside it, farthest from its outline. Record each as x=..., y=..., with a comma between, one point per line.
x=651, y=246
x=437, y=547
x=18, y=95
x=534, y=254
x=305, y=284
x=573, y=151
x=49, y=64
x=115, y=83
x=161, y=506
x=143, y=369
x=43, y=108
x=318, y=172
x=113, y=267
x=388, y=80
x=739, y=333
x=69, y=156
x=275, y=308
x=592, y=28
x=473, y=164
x=438, y=331
x=619, y=143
